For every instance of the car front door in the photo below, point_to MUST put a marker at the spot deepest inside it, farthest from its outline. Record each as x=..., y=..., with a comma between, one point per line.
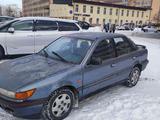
x=21, y=39
x=98, y=76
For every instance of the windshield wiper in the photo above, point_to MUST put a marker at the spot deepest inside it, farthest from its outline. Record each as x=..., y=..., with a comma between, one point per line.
x=60, y=57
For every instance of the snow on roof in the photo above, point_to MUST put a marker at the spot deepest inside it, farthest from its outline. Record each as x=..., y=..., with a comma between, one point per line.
x=45, y=18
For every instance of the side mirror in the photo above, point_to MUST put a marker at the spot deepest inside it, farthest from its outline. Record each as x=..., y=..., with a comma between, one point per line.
x=95, y=61
x=11, y=30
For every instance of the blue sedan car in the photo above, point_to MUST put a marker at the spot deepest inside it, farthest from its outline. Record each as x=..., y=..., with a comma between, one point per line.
x=52, y=82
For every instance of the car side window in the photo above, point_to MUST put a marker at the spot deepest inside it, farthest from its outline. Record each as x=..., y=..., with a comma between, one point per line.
x=104, y=50
x=67, y=26
x=45, y=25
x=122, y=46
x=26, y=25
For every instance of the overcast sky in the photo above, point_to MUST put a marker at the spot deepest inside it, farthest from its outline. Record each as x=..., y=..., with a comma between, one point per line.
x=6, y=2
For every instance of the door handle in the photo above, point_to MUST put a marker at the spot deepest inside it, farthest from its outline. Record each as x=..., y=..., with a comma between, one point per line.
x=113, y=65
x=134, y=58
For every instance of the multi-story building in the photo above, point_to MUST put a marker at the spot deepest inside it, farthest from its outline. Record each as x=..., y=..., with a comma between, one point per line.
x=155, y=13
x=90, y=11
x=36, y=7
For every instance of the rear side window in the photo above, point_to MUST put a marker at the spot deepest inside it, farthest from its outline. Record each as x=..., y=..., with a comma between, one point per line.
x=66, y=26
x=26, y=25
x=122, y=46
x=104, y=50
x=45, y=25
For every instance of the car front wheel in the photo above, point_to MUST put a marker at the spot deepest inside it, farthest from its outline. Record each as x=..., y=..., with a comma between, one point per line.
x=59, y=105
x=133, y=77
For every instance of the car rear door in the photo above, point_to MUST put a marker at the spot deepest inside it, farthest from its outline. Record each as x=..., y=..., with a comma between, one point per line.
x=21, y=41
x=125, y=57
x=98, y=76
x=46, y=31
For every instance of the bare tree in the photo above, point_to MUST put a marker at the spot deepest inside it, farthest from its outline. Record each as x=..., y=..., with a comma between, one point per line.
x=9, y=12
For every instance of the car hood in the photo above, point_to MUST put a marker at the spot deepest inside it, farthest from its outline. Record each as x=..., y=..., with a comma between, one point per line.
x=19, y=72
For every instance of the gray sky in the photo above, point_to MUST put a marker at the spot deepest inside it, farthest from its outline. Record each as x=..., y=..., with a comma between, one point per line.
x=6, y=2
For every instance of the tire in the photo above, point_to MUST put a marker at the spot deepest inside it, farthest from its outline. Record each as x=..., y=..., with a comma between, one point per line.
x=133, y=77
x=1, y=53
x=59, y=105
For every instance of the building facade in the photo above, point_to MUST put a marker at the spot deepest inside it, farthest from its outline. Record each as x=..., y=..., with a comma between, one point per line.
x=155, y=13
x=36, y=7
x=90, y=11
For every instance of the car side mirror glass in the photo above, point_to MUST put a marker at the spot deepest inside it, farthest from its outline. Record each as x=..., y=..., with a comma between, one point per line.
x=95, y=61
x=11, y=30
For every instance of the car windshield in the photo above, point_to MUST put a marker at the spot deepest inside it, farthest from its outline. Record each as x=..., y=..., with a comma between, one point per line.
x=68, y=49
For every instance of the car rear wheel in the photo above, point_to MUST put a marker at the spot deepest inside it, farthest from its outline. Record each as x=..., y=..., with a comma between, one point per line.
x=133, y=77
x=59, y=105
x=1, y=53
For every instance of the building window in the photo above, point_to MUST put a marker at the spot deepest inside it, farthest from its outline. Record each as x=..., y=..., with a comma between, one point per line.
x=126, y=21
x=97, y=21
x=84, y=19
x=117, y=11
x=110, y=21
x=137, y=13
x=77, y=8
x=127, y=13
x=84, y=8
x=142, y=14
x=121, y=22
x=75, y=18
x=98, y=10
x=104, y=21
x=91, y=9
x=116, y=21
x=122, y=13
x=110, y=12
x=132, y=13
x=105, y=11
x=90, y=20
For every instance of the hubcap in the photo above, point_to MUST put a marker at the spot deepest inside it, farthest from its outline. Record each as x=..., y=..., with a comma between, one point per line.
x=61, y=105
x=135, y=77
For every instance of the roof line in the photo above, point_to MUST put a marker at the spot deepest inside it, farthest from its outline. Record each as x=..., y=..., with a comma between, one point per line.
x=110, y=5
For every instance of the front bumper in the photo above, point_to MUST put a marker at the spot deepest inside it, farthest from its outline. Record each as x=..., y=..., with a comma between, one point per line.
x=144, y=64
x=30, y=109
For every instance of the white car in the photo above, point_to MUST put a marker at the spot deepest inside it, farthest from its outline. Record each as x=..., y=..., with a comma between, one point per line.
x=30, y=34
x=149, y=29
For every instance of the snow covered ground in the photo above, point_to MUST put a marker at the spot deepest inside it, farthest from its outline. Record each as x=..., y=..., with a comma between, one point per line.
x=121, y=103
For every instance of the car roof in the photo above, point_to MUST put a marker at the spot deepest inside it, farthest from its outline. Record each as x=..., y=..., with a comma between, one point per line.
x=6, y=17
x=45, y=18
x=94, y=35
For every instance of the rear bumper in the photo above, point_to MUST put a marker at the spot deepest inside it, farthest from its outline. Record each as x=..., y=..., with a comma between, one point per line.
x=144, y=64
x=28, y=109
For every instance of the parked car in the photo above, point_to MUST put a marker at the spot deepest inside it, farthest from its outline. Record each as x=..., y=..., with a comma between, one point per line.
x=149, y=29
x=122, y=27
x=28, y=35
x=89, y=28
x=51, y=83
x=5, y=18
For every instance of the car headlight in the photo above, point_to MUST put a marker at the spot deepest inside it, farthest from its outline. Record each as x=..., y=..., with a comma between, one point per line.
x=19, y=95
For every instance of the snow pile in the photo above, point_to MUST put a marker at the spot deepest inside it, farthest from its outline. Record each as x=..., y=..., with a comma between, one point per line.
x=121, y=103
